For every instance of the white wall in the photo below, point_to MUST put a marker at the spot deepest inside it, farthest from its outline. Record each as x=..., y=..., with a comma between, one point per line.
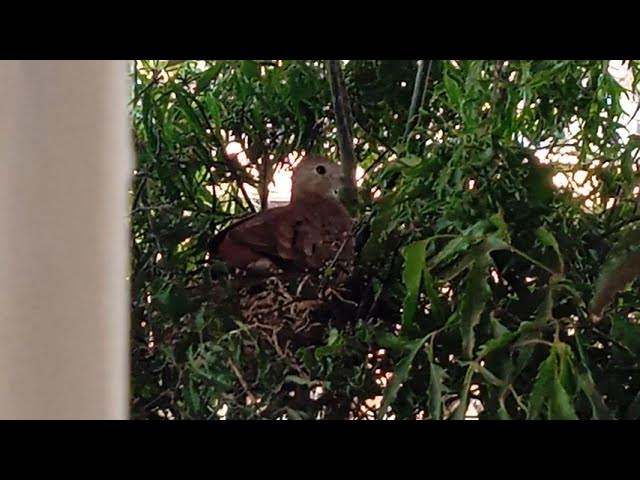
x=65, y=162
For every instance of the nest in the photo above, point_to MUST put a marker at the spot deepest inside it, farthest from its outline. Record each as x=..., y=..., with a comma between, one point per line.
x=294, y=310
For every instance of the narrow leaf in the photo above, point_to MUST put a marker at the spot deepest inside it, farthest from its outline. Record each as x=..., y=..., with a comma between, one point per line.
x=560, y=403
x=542, y=388
x=414, y=259
x=400, y=375
x=436, y=389
x=475, y=296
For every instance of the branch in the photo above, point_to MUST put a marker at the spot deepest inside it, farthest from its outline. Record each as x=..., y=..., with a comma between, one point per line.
x=416, y=98
x=230, y=160
x=344, y=125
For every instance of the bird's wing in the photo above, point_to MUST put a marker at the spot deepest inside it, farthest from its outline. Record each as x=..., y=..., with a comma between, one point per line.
x=270, y=232
x=304, y=233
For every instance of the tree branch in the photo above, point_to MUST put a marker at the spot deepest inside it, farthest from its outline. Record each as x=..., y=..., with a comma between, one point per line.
x=416, y=98
x=344, y=125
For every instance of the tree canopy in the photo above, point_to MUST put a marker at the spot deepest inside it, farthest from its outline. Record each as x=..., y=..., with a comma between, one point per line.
x=498, y=239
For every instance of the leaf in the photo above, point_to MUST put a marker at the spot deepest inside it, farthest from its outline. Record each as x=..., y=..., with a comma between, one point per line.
x=502, y=337
x=453, y=90
x=298, y=380
x=474, y=298
x=540, y=185
x=185, y=106
x=293, y=414
x=498, y=329
x=488, y=375
x=548, y=240
x=621, y=268
x=410, y=160
x=250, y=69
x=554, y=376
x=438, y=375
x=496, y=344
x=565, y=367
x=192, y=398
x=462, y=242
x=174, y=63
x=560, y=403
x=391, y=341
x=400, y=375
x=503, y=414
x=437, y=309
x=490, y=244
x=205, y=78
x=414, y=260
x=497, y=220
x=542, y=388
x=461, y=409
x=544, y=312
x=626, y=333
x=335, y=343
x=587, y=385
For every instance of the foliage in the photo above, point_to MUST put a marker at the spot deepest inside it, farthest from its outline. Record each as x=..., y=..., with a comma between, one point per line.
x=475, y=272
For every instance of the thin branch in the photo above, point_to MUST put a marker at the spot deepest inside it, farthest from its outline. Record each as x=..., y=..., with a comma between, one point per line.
x=415, y=100
x=344, y=125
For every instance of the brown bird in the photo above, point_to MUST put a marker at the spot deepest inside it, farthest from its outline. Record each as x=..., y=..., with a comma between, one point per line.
x=314, y=229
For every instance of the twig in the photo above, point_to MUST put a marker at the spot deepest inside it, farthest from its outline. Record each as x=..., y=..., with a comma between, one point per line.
x=416, y=97
x=242, y=381
x=344, y=125
x=229, y=160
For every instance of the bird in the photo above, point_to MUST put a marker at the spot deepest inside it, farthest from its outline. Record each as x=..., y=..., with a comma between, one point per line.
x=314, y=230
x=288, y=266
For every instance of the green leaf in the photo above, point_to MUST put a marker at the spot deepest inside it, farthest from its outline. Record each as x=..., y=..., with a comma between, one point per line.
x=565, y=367
x=548, y=240
x=497, y=220
x=192, y=398
x=298, y=380
x=410, y=160
x=560, y=403
x=453, y=90
x=438, y=375
x=206, y=77
x=503, y=414
x=414, y=261
x=621, y=268
x=400, y=375
x=474, y=298
x=543, y=386
x=459, y=244
x=497, y=328
x=391, y=341
x=496, y=344
x=626, y=333
x=430, y=288
x=487, y=374
x=462, y=407
x=250, y=69
x=335, y=343
x=588, y=386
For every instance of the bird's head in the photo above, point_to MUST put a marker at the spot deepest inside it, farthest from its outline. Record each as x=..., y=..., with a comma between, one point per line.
x=316, y=175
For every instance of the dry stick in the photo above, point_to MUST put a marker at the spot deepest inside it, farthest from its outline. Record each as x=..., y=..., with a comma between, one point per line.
x=344, y=126
x=242, y=381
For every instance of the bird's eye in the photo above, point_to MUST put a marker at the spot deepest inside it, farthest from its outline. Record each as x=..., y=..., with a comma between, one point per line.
x=321, y=170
